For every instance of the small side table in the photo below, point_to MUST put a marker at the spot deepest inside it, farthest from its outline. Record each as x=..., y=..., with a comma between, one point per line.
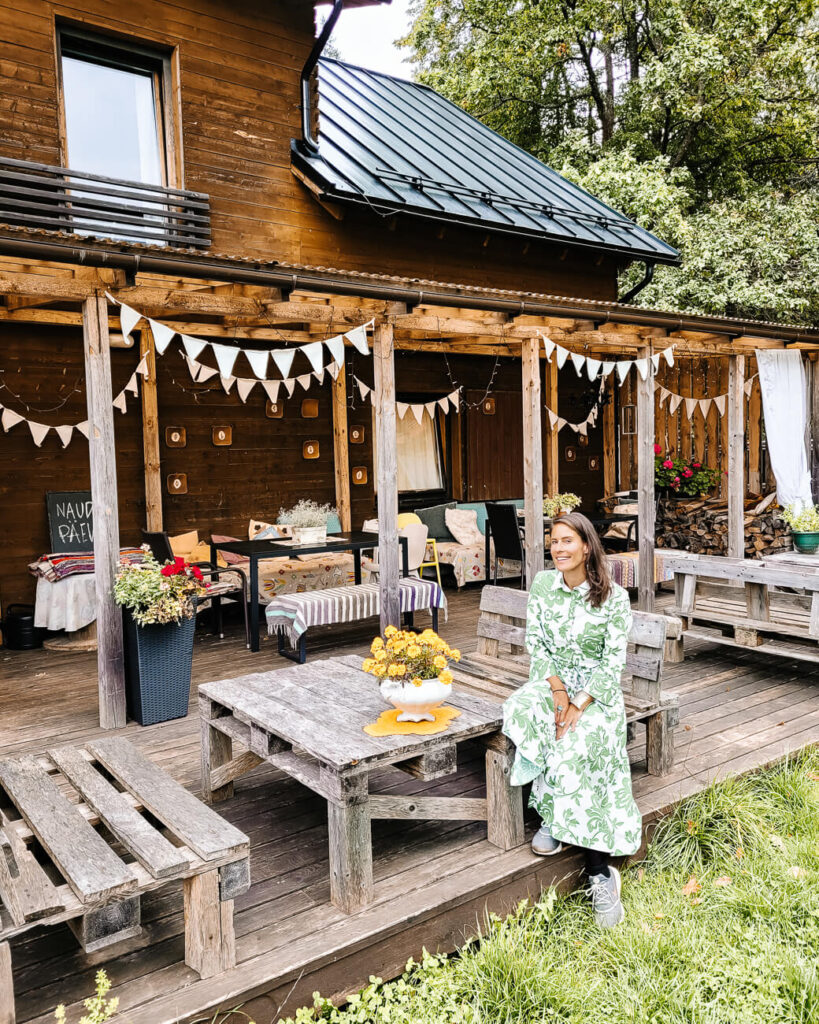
x=308, y=721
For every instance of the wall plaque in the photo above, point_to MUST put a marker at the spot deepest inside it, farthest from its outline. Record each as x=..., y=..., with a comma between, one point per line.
x=310, y=450
x=222, y=435
x=359, y=474
x=175, y=437
x=177, y=483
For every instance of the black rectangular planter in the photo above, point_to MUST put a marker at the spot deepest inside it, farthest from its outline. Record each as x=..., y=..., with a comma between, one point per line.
x=158, y=663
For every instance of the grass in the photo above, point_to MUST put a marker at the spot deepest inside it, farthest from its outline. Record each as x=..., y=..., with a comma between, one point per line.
x=722, y=927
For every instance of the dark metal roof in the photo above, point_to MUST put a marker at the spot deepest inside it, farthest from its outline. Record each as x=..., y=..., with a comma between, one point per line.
x=396, y=145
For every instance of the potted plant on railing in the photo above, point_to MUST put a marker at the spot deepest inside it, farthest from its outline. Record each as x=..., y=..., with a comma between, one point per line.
x=555, y=504
x=159, y=604
x=308, y=520
x=804, y=524
x=684, y=478
x=413, y=669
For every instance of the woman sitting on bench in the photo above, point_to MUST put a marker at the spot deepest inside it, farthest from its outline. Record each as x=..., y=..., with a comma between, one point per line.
x=568, y=722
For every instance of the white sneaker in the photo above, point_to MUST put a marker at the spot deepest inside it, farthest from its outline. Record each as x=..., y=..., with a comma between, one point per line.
x=544, y=843
x=605, y=897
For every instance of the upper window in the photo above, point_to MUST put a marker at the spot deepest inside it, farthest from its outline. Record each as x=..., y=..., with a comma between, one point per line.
x=112, y=101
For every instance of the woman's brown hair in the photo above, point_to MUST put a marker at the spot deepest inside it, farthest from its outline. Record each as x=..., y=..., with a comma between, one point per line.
x=597, y=566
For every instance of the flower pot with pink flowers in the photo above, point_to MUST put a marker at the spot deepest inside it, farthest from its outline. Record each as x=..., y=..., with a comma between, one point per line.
x=682, y=478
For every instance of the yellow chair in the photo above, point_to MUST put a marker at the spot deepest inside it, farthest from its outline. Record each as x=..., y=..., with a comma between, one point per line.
x=410, y=517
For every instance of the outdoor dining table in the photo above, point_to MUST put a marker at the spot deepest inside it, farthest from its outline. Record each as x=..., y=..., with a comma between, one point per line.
x=255, y=550
x=308, y=721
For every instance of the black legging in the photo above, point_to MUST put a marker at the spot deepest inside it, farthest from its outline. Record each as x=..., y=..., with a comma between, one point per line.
x=597, y=862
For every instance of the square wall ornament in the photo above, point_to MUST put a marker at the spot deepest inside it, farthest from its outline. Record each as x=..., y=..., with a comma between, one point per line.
x=310, y=450
x=175, y=437
x=594, y=463
x=177, y=483
x=357, y=435
x=274, y=410
x=359, y=475
x=570, y=453
x=488, y=406
x=222, y=436
x=309, y=408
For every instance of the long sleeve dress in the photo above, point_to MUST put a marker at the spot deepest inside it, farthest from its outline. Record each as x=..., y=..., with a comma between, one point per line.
x=581, y=784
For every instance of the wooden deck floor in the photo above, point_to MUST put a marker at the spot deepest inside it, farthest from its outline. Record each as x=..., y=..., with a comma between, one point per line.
x=433, y=879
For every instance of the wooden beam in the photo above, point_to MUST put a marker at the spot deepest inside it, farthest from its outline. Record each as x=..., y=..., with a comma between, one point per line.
x=101, y=451
x=736, y=456
x=552, y=438
x=645, y=482
x=341, y=454
x=609, y=441
x=755, y=438
x=532, y=458
x=150, y=435
x=813, y=412
x=386, y=474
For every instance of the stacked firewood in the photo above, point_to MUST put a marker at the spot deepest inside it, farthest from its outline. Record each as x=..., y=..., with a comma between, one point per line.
x=701, y=526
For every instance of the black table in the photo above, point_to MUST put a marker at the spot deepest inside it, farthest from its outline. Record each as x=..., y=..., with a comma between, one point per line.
x=255, y=550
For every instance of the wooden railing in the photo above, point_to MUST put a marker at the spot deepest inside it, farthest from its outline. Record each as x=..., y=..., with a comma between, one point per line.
x=60, y=199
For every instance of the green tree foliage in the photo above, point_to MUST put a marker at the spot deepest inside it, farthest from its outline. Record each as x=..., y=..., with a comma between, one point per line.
x=698, y=120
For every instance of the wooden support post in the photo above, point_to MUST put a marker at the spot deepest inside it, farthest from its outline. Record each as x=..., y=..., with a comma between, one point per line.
x=210, y=945
x=504, y=802
x=341, y=455
x=351, y=855
x=552, y=449
x=659, y=744
x=813, y=426
x=532, y=457
x=6, y=985
x=755, y=439
x=216, y=750
x=609, y=442
x=102, y=457
x=387, y=472
x=150, y=434
x=645, y=482
x=736, y=456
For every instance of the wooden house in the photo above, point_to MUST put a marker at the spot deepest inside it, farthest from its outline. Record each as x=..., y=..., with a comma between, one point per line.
x=200, y=162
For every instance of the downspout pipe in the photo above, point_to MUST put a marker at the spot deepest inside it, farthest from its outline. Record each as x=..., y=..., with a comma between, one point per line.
x=644, y=282
x=307, y=142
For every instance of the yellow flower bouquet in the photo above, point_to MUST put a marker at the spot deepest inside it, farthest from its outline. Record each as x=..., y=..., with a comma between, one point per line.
x=413, y=669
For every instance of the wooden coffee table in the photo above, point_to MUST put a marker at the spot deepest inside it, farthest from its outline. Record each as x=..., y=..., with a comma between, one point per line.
x=308, y=721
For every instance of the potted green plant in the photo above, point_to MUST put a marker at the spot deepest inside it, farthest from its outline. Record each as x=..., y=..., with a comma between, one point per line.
x=804, y=524
x=308, y=520
x=554, y=504
x=683, y=478
x=159, y=604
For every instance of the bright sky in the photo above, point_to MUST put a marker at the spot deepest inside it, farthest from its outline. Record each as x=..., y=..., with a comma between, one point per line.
x=365, y=36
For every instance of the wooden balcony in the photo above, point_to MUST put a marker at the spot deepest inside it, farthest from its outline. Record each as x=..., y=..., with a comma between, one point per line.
x=60, y=199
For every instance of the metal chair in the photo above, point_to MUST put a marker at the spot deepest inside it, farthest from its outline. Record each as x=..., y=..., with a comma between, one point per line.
x=505, y=528
x=160, y=546
x=405, y=519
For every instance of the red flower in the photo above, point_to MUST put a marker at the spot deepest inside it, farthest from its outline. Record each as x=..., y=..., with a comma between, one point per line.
x=168, y=570
x=688, y=472
x=197, y=572
x=697, y=465
x=668, y=464
x=657, y=449
x=676, y=480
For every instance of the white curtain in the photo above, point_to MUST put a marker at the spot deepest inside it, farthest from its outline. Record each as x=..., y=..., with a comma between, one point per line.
x=419, y=464
x=784, y=403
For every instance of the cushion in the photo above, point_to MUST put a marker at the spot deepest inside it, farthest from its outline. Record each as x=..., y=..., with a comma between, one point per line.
x=201, y=553
x=434, y=519
x=333, y=523
x=269, y=533
x=183, y=543
x=480, y=508
x=621, y=529
x=230, y=557
x=254, y=527
x=463, y=525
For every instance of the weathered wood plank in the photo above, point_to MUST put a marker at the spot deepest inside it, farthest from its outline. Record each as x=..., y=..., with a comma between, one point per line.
x=200, y=828
x=434, y=764
x=552, y=455
x=216, y=751
x=351, y=855
x=736, y=456
x=748, y=569
x=502, y=631
x=504, y=802
x=504, y=601
x=87, y=862
x=387, y=471
x=7, y=1014
x=150, y=433
x=105, y=926
x=10, y=880
x=37, y=896
x=532, y=457
x=210, y=943
x=149, y=846
x=341, y=453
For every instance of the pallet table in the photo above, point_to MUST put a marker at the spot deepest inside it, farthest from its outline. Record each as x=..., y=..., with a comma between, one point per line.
x=88, y=861
x=309, y=721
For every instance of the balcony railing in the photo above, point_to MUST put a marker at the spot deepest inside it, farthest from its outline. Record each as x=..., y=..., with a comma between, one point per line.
x=60, y=199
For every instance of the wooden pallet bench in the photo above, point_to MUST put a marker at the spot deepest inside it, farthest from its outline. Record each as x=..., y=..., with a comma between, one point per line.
x=765, y=605
x=495, y=671
x=85, y=831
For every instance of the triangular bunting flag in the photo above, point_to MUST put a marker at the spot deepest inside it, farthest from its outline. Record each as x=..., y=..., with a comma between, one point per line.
x=64, y=433
x=334, y=369
x=401, y=409
x=363, y=389
x=669, y=355
x=290, y=385
x=690, y=406
x=319, y=375
x=443, y=404
x=38, y=431
x=244, y=387
x=455, y=398
x=719, y=402
x=258, y=362
x=665, y=394
x=548, y=347
x=572, y=426
x=357, y=337
x=193, y=366
x=578, y=360
x=335, y=346
x=283, y=358
x=205, y=373
x=593, y=367
x=83, y=428
x=193, y=346
x=608, y=366
x=418, y=412
x=583, y=428
x=705, y=405
x=227, y=383
x=561, y=423
x=128, y=319
x=674, y=403
x=142, y=366
x=111, y=299
x=552, y=419
x=642, y=367
x=121, y=402
x=132, y=385
x=164, y=335
x=748, y=387
x=655, y=359
x=622, y=369
x=225, y=357
x=430, y=408
x=272, y=389
x=304, y=380
x=10, y=419
x=562, y=356
x=314, y=353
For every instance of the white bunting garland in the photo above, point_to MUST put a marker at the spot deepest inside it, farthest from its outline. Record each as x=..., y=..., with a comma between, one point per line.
x=419, y=409
x=162, y=335
x=244, y=387
x=258, y=362
x=703, y=404
x=598, y=367
x=558, y=423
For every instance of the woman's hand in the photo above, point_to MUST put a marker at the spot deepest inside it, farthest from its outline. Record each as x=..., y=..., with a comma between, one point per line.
x=567, y=720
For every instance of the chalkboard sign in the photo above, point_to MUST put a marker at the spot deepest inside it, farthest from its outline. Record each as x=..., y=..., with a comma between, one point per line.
x=70, y=520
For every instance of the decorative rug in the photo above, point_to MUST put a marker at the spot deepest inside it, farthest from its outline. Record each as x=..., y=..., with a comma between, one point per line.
x=387, y=723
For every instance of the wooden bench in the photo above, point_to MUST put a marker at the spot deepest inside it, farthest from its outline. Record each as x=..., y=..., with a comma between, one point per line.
x=497, y=672
x=745, y=603
x=88, y=861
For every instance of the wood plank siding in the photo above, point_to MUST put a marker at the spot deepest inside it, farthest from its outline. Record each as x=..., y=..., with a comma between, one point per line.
x=235, y=106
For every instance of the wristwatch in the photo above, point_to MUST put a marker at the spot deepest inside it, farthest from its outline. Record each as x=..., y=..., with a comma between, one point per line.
x=581, y=700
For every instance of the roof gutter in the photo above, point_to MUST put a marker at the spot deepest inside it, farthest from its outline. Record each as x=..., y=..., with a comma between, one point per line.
x=644, y=282
x=467, y=297
x=307, y=141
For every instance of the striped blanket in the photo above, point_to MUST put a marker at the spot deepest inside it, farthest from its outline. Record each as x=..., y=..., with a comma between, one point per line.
x=56, y=567
x=625, y=568
x=292, y=614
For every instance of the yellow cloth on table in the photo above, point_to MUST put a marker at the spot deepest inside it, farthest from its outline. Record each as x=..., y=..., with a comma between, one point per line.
x=387, y=723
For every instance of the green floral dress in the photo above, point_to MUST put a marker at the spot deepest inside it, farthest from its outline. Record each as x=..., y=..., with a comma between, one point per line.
x=581, y=784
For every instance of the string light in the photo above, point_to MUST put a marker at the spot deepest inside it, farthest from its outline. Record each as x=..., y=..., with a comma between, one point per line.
x=31, y=408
